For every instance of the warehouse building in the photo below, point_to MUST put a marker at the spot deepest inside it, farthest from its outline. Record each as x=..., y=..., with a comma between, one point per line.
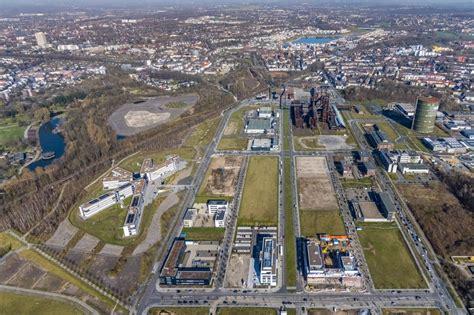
x=261, y=145
x=259, y=126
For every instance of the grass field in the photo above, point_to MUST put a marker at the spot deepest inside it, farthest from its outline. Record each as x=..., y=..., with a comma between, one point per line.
x=290, y=241
x=356, y=183
x=8, y=241
x=50, y=267
x=286, y=131
x=388, y=130
x=12, y=303
x=411, y=311
x=259, y=203
x=105, y=225
x=313, y=222
x=180, y=310
x=10, y=133
x=133, y=163
x=383, y=245
x=246, y=311
x=203, y=133
x=204, y=233
x=232, y=143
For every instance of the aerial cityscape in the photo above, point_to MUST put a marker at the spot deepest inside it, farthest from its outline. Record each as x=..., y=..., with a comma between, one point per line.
x=227, y=157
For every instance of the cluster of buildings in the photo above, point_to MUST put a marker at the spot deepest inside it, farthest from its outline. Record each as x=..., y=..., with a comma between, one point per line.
x=217, y=209
x=18, y=78
x=190, y=263
x=328, y=259
x=448, y=145
x=122, y=184
x=261, y=244
x=262, y=121
x=406, y=161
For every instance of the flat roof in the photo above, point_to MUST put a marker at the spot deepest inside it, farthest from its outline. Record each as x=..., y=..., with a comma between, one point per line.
x=314, y=255
x=172, y=261
x=259, y=123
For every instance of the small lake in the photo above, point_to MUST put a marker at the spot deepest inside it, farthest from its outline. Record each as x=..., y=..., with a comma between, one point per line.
x=50, y=141
x=310, y=41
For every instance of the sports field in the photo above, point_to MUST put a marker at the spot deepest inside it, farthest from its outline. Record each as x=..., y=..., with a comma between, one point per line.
x=390, y=262
x=259, y=205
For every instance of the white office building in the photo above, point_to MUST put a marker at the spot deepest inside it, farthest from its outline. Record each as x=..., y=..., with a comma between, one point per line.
x=214, y=206
x=131, y=225
x=268, y=260
x=220, y=218
x=189, y=217
x=155, y=172
x=104, y=201
x=118, y=178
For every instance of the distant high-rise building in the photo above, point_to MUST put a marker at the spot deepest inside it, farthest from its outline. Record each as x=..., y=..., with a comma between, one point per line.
x=41, y=40
x=425, y=114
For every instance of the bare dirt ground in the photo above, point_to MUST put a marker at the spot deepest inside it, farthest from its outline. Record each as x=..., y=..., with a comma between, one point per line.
x=135, y=117
x=333, y=142
x=143, y=118
x=231, y=129
x=237, y=270
x=315, y=189
x=63, y=234
x=223, y=176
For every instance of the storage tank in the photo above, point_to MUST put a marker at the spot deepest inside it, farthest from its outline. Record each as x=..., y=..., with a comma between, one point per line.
x=425, y=114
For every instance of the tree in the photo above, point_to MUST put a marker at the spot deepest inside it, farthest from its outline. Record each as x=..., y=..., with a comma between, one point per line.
x=42, y=114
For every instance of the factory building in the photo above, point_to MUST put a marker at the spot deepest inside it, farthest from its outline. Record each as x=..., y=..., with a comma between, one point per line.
x=425, y=114
x=265, y=112
x=189, y=263
x=259, y=126
x=117, y=178
x=105, y=201
x=215, y=205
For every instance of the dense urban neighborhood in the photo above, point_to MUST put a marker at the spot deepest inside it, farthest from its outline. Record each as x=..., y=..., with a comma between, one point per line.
x=228, y=158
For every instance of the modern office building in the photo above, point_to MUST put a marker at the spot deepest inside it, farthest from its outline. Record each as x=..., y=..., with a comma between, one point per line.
x=219, y=218
x=154, y=172
x=425, y=114
x=268, y=260
x=215, y=205
x=131, y=225
x=189, y=217
x=106, y=200
x=117, y=178
x=41, y=40
x=379, y=139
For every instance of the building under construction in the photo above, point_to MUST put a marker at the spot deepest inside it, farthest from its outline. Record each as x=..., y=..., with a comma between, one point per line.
x=307, y=113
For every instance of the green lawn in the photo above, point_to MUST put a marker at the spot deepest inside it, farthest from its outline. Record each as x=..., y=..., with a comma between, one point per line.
x=290, y=241
x=105, y=225
x=8, y=242
x=259, y=205
x=246, y=311
x=357, y=183
x=12, y=303
x=134, y=163
x=180, y=310
x=176, y=105
x=411, y=311
x=10, y=134
x=286, y=131
x=232, y=143
x=390, y=262
x=388, y=130
x=314, y=222
x=50, y=267
x=204, y=233
x=203, y=133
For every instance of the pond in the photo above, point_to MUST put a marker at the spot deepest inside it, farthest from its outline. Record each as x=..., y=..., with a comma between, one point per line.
x=50, y=141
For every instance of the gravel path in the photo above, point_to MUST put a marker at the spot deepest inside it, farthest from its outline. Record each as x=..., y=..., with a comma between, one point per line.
x=154, y=231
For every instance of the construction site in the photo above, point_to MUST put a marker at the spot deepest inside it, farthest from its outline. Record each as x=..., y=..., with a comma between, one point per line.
x=328, y=261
